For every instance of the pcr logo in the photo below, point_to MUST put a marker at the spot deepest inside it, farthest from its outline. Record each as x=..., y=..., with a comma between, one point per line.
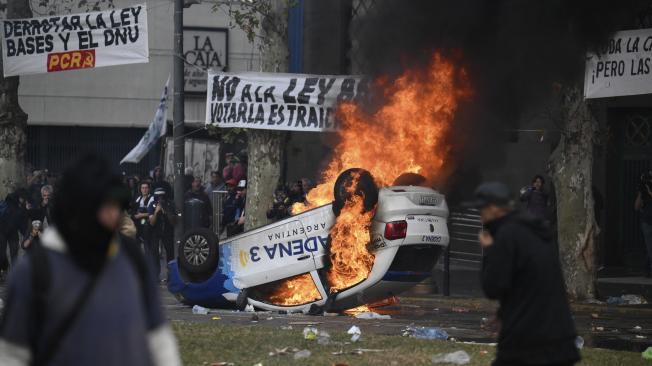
x=71, y=60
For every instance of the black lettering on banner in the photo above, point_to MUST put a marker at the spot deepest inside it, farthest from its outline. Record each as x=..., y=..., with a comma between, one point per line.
x=11, y=47
x=291, y=108
x=224, y=87
x=217, y=111
x=327, y=122
x=308, y=88
x=272, y=114
x=312, y=117
x=86, y=40
x=321, y=117
x=269, y=94
x=246, y=93
x=242, y=112
x=9, y=29
x=136, y=12
x=287, y=98
x=280, y=113
x=124, y=17
x=324, y=88
x=250, y=115
x=75, y=22
x=260, y=116
x=301, y=116
x=256, y=96
x=232, y=113
x=100, y=21
x=347, y=91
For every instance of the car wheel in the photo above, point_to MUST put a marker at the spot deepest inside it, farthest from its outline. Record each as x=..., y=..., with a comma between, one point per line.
x=242, y=300
x=366, y=188
x=198, y=251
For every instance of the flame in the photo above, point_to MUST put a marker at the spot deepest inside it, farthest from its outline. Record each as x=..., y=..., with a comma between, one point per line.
x=405, y=135
x=351, y=261
x=295, y=290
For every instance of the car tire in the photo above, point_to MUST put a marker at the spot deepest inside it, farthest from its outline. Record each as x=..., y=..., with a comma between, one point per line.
x=199, y=251
x=366, y=188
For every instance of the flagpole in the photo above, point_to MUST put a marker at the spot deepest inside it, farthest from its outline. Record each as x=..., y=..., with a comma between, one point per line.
x=178, y=123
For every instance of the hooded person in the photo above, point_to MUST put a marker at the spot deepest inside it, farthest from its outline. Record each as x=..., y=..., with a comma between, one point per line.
x=87, y=296
x=521, y=270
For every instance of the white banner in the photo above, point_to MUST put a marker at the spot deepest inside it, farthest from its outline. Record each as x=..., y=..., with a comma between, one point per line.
x=156, y=130
x=623, y=66
x=75, y=41
x=272, y=101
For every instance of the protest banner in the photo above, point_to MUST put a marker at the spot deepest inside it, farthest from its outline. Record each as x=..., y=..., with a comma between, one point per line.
x=274, y=101
x=75, y=41
x=622, y=66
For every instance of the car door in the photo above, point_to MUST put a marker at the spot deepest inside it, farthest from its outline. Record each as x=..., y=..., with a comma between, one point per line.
x=280, y=250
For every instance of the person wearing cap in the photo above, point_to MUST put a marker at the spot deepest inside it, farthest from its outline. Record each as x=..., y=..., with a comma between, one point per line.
x=162, y=218
x=197, y=192
x=158, y=181
x=85, y=296
x=521, y=270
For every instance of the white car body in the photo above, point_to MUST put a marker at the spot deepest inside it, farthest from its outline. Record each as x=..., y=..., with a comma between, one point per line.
x=297, y=245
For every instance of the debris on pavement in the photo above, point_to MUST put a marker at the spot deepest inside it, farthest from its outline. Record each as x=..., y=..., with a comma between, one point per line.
x=302, y=354
x=222, y=364
x=599, y=329
x=310, y=333
x=355, y=333
x=638, y=327
x=626, y=300
x=286, y=327
x=199, y=310
x=308, y=324
x=460, y=310
x=455, y=358
x=216, y=318
x=595, y=316
x=283, y=351
x=323, y=338
x=647, y=354
x=255, y=318
x=638, y=336
x=425, y=332
x=371, y=315
x=579, y=342
x=249, y=309
x=357, y=351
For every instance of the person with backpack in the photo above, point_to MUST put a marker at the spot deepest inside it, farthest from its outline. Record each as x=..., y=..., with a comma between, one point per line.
x=86, y=295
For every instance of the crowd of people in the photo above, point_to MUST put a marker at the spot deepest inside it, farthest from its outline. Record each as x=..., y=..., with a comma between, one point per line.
x=151, y=215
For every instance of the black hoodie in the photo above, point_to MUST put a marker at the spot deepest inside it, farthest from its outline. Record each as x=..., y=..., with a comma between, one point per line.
x=522, y=270
x=83, y=188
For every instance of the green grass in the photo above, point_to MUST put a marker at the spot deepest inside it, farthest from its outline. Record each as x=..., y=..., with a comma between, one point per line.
x=203, y=344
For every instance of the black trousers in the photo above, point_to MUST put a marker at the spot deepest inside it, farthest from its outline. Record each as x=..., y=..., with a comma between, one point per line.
x=12, y=243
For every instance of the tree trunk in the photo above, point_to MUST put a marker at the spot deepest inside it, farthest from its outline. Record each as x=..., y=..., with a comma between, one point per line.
x=13, y=121
x=265, y=148
x=571, y=167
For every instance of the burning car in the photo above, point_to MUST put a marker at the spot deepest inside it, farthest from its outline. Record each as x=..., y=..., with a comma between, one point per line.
x=367, y=245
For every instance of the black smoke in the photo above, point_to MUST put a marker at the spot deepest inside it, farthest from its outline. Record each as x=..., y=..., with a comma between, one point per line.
x=515, y=51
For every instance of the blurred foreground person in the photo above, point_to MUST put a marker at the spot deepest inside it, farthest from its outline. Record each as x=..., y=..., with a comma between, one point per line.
x=521, y=270
x=87, y=296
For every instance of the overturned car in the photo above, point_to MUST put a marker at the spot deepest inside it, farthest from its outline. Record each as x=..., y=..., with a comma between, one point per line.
x=408, y=233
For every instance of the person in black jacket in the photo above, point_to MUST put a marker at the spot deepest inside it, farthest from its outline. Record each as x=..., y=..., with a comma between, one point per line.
x=521, y=270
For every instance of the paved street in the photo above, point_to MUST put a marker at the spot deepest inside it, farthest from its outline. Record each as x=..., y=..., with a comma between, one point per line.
x=600, y=325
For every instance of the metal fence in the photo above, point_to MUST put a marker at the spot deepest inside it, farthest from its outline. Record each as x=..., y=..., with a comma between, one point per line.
x=463, y=228
x=217, y=202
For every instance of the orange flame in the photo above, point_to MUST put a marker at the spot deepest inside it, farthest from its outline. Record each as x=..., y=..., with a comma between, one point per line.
x=295, y=290
x=351, y=261
x=405, y=135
